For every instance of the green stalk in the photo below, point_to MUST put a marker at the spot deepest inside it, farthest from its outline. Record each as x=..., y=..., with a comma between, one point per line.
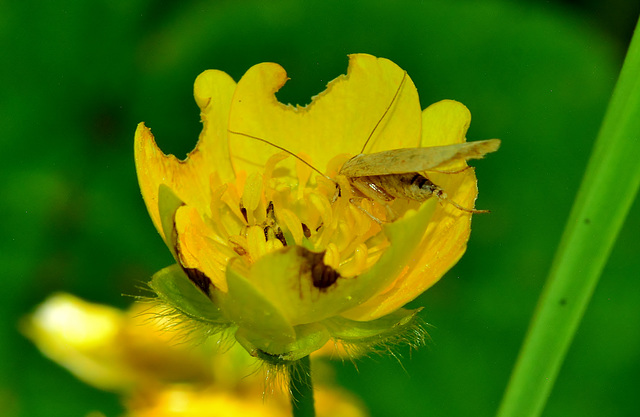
x=301, y=388
x=607, y=191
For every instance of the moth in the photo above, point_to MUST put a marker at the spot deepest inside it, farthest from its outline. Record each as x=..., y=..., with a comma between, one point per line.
x=401, y=173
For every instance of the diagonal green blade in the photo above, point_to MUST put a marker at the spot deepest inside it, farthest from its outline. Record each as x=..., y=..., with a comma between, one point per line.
x=608, y=189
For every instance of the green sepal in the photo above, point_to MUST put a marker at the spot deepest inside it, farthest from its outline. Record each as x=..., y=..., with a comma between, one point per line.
x=250, y=310
x=400, y=326
x=309, y=338
x=174, y=288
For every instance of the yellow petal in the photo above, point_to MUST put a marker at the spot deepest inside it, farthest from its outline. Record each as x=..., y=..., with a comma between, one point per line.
x=338, y=120
x=198, y=248
x=445, y=123
x=213, y=91
x=189, y=179
x=443, y=245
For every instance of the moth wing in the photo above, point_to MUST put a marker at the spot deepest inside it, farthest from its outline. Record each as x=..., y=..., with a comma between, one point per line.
x=403, y=161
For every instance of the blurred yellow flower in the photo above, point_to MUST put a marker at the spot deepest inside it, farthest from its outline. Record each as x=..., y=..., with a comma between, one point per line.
x=133, y=353
x=189, y=402
x=111, y=349
x=276, y=255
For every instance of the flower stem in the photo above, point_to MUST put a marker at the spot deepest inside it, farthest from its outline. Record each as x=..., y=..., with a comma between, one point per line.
x=608, y=188
x=301, y=388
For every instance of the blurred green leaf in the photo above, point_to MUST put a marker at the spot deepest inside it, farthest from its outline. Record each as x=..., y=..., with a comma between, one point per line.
x=80, y=76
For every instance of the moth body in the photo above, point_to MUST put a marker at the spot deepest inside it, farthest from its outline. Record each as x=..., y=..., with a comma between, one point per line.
x=385, y=176
x=386, y=188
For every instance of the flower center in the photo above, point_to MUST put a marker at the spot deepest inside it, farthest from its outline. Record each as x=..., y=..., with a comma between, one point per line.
x=263, y=212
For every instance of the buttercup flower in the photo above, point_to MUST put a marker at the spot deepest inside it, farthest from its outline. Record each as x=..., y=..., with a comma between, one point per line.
x=287, y=258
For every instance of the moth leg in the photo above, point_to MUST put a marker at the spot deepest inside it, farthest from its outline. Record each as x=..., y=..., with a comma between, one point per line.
x=442, y=196
x=336, y=194
x=343, y=187
x=356, y=202
x=391, y=213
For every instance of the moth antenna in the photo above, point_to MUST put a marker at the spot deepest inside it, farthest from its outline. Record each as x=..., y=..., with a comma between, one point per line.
x=356, y=202
x=287, y=151
x=404, y=76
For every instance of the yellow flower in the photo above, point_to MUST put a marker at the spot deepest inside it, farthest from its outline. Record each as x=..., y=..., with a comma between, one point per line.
x=111, y=349
x=133, y=353
x=278, y=256
x=185, y=401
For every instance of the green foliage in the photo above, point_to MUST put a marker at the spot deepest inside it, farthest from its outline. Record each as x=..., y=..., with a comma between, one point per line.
x=608, y=189
x=79, y=76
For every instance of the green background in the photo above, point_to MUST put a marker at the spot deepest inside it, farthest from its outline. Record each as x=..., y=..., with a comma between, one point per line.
x=78, y=76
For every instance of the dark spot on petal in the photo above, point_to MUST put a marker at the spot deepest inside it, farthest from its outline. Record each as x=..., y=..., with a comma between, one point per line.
x=199, y=279
x=271, y=223
x=195, y=275
x=244, y=212
x=173, y=238
x=319, y=227
x=280, y=237
x=277, y=233
x=306, y=231
x=322, y=275
x=239, y=250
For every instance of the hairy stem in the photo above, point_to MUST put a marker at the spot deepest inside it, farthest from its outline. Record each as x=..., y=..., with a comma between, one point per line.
x=301, y=388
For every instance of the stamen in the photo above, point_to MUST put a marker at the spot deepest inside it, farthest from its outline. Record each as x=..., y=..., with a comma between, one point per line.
x=306, y=231
x=216, y=207
x=231, y=198
x=323, y=206
x=252, y=195
x=273, y=245
x=362, y=222
x=303, y=172
x=239, y=244
x=342, y=236
x=269, y=167
x=332, y=256
x=357, y=263
x=254, y=215
x=292, y=223
x=256, y=242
